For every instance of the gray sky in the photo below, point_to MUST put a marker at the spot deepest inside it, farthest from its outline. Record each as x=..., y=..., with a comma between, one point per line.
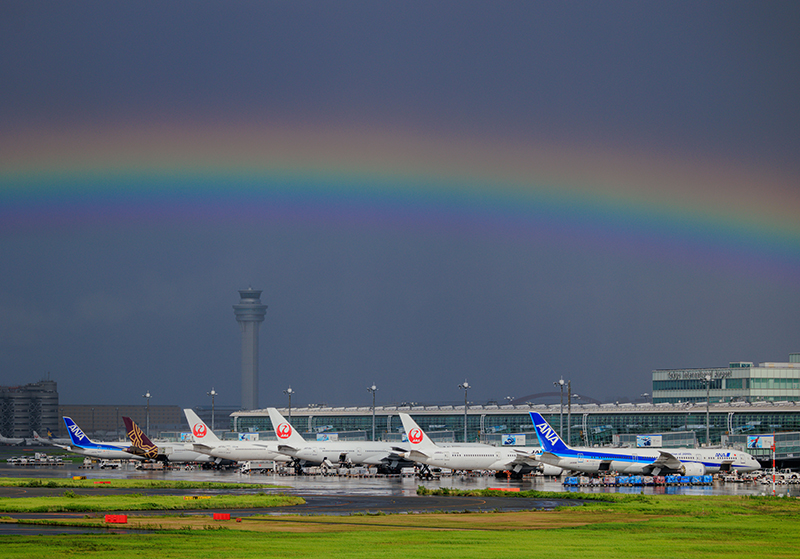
x=113, y=307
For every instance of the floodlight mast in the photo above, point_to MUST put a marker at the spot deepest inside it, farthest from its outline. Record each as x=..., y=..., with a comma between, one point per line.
x=373, y=389
x=465, y=385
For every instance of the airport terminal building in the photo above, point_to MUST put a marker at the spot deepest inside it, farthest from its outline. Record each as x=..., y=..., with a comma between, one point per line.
x=28, y=408
x=738, y=382
x=746, y=405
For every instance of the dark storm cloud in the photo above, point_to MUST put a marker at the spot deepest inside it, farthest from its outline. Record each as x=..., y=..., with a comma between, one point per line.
x=115, y=312
x=714, y=76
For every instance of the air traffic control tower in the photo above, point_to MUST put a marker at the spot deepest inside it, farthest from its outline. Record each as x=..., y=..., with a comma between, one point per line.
x=249, y=314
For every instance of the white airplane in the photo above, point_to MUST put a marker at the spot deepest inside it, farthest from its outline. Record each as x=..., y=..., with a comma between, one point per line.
x=517, y=461
x=50, y=439
x=169, y=452
x=81, y=444
x=385, y=456
x=11, y=440
x=647, y=461
x=207, y=442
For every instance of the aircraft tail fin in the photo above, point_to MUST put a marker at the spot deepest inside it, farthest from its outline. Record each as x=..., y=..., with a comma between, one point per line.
x=200, y=431
x=283, y=429
x=140, y=443
x=76, y=434
x=416, y=436
x=548, y=437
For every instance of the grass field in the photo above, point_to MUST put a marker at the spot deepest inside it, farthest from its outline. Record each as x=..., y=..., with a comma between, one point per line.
x=69, y=482
x=631, y=526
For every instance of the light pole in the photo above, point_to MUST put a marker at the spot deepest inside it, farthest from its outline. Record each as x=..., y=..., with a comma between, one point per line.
x=373, y=389
x=116, y=425
x=289, y=392
x=569, y=410
x=708, y=399
x=465, y=385
x=147, y=395
x=560, y=385
x=212, y=394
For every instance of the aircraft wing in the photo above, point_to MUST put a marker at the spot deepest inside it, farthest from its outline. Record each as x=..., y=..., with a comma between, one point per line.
x=665, y=461
x=525, y=458
x=550, y=456
x=199, y=447
x=401, y=456
x=284, y=448
x=416, y=456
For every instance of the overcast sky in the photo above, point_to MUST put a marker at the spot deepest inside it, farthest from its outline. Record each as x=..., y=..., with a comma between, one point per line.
x=112, y=308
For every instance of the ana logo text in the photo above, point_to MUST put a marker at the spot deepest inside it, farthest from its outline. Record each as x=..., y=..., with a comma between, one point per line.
x=284, y=431
x=548, y=432
x=415, y=436
x=199, y=430
x=77, y=430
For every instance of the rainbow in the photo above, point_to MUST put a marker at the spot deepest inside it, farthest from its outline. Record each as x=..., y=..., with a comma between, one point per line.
x=654, y=207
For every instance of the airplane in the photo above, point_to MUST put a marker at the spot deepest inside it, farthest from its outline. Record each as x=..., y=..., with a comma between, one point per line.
x=11, y=440
x=647, y=461
x=50, y=439
x=472, y=457
x=385, y=456
x=81, y=444
x=143, y=446
x=208, y=443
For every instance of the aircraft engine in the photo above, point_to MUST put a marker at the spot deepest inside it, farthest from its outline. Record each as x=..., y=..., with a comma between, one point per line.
x=549, y=470
x=693, y=469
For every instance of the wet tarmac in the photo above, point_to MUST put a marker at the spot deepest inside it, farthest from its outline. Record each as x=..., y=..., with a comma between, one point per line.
x=335, y=486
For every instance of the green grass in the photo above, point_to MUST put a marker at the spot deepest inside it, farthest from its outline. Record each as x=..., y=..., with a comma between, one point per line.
x=68, y=482
x=630, y=526
x=714, y=536
x=72, y=502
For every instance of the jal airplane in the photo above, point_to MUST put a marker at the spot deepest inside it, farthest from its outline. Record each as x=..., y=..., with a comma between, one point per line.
x=474, y=457
x=207, y=442
x=385, y=456
x=170, y=452
x=81, y=444
x=650, y=461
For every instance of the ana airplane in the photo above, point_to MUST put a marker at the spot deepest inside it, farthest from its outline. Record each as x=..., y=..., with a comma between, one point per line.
x=207, y=442
x=81, y=444
x=517, y=461
x=386, y=457
x=649, y=461
x=169, y=452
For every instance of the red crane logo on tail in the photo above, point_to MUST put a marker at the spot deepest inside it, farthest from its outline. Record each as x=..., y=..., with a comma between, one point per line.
x=415, y=436
x=284, y=431
x=199, y=430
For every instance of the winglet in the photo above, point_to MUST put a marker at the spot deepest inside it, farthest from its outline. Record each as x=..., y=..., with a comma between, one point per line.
x=548, y=437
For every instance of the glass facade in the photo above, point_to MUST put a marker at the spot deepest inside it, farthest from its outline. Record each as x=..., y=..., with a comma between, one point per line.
x=589, y=424
x=740, y=381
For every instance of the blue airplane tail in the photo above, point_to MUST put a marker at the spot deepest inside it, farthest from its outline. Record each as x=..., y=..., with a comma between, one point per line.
x=76, y=435
x=548, y=437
